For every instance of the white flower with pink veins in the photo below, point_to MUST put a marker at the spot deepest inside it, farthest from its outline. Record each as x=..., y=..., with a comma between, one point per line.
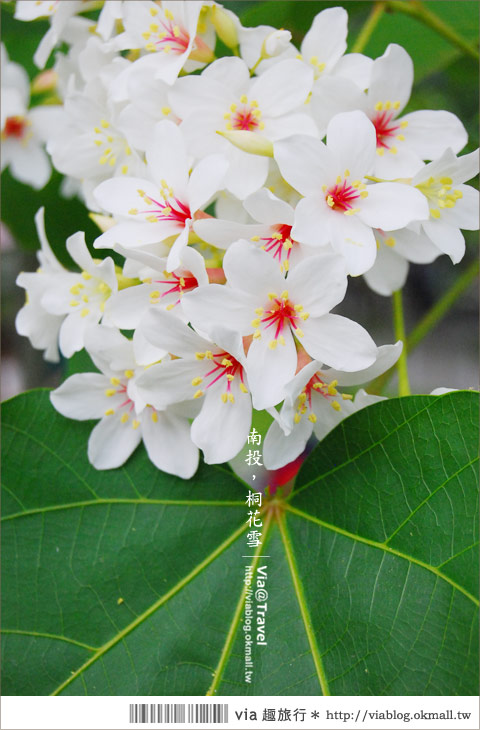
x=403, y=142
x=259, y=302
x=224, y=99
x=313, y=404
x=168, y=33
x=338, y=207
x=164, y=206
x=112, y=396
x=24, y=131
x=210, y=371
x=272, y=233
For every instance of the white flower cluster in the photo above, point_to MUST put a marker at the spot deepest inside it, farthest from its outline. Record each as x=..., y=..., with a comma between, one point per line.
x=229, y=311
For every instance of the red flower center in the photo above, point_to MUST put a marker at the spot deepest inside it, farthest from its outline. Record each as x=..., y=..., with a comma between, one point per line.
x=386, y=128
x=14, y=127
x=342, y=196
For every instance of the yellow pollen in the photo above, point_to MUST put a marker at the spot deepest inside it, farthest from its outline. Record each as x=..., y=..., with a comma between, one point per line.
x=364, y=194
x=115, y=381
x=312, y=417
x=154, y=417
x=336, y=405
x=97, y=131
x=401, y=137
x=278, y=236
x=227, y=363
x=356, y=183
x=224, y=397
x=110, y=412
x=124, y=418
x=135, y=423
x=458, y=194
x=129, y=373
x=146, y=35
x=230, y=377
x=86, y=275
x=297, y=417
x=379, y=106
x=393, y=150
x=298, y=332
x=244, y=99
x=227, y=115
x=133, y=211
x=298, y=307
x=104, y=123
x=352, y=211
x=255, y=322
x=199, y=355
x=330, y=201
x=257, y=334
x=304, y=316
x=208, y=355
x=154, y=27
x=388, y=105
x=404, y=124
x=151, y=218
x=284, y=294
x=124, y=169
x=109, y=392
x=347, y=396
x=272, y=295
x=287, y=244
x=198, y=394
x=390, y=242
x=396, y=105
x=166, y=110
x=435, y=213
x=231, y=398
x=339, y=179
x=302, y=398
x=197, y=381
x=346, y=173
x=446, y=180
x=84, y=312
x=259, y=311
x=281, y=340
x=261, y=125
x=98, y=142
x=74, y=303
x=243, y=388
x=153, y=11
x=168, y=14
x=233, y=107
x=380, y=152
x=272, y=344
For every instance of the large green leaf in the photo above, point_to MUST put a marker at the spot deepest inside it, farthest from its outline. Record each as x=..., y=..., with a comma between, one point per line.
x=131, y=582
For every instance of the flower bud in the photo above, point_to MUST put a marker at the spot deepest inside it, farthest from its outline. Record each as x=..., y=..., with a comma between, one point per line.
x=275, y=43
x=225, y=26
x=250, y=142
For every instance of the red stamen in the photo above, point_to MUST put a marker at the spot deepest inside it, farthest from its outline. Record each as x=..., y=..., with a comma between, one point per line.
x=385, y=128
x=14, y=127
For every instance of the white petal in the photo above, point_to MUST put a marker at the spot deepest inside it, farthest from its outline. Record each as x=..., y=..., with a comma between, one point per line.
x=429, y=133
x=30, y=165
x=82, y=396
x=279, y=450
x=167, y=158
x=283, y=88
x=112, y=442
x=327, y=38
x=246, y=174
x=338, y=342
x=312, y=221
x=168, y=332
x=305, y=163
x=215, y=305
x=318, y=283
x=356, y=68
x=221, y=233
x=414, y=247
x=252, y=270
x=175, y=256
x=388, y=273
x=449, y=239
x=392, y=77
x=354, y=241
x=465, y=212
x=169, y=382
x=265, y=207
x=206, y=180
x=332, y=95
x=268, y=371
x=386, y=356
x=168, y=443
x=145, y=353
x=352, y=141
x=393, y=205
x=221, y=429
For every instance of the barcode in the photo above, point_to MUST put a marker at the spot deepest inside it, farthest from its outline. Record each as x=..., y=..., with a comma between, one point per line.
x=171, y=713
